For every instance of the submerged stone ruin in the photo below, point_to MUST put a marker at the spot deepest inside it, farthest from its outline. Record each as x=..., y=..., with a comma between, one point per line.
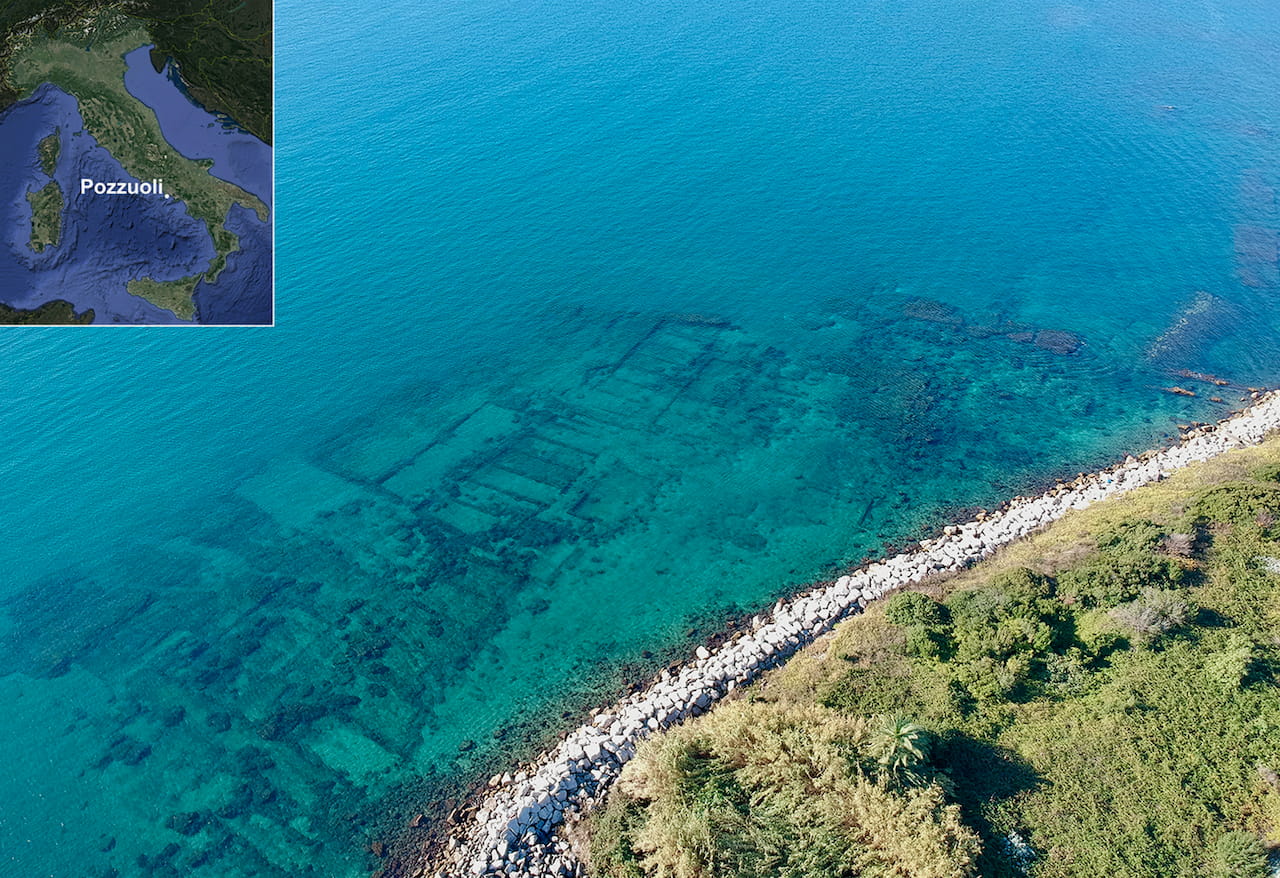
x=513, y=828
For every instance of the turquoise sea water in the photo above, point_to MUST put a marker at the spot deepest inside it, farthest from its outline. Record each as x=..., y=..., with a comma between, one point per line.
x=596, y=323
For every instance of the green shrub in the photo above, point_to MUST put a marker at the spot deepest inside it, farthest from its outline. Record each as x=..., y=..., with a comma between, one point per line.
x=1127, y=560
x=1012, y=593
x=1268, y=473
x=1231, y=667
x=978, y=608
x=913, y=608
x=1238, y=503
x=864, y=691
x=927, y=643
x=1025, y=586
x=990, y=679
x=1098, y=633
x=1018, y=592
x=1069, y=670
x=941, y=699
x=1014, y=614
x=1020, y=634
x=1239, y=855
x=1004, y=632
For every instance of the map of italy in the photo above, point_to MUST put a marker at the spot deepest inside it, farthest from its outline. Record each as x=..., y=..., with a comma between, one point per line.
x=135, y=162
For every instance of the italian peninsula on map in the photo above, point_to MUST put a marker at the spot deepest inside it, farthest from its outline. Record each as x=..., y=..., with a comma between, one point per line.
x=136, y=162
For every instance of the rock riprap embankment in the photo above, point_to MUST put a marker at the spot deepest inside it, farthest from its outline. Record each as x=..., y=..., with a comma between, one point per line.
x=513, y=829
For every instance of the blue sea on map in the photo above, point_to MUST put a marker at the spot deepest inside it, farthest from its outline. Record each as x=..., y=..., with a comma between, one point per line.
x=598, y=324
x=105, y=243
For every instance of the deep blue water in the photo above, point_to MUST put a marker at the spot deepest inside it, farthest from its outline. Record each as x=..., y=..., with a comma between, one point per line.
x=596, y=322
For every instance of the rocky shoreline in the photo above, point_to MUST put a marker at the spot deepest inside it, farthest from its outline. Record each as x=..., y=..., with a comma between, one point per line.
x=512, y=828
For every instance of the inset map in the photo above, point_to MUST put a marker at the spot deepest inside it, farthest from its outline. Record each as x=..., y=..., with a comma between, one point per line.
x=136, y=162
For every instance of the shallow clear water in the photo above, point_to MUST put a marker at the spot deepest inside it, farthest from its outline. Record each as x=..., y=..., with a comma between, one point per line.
x=596, y=324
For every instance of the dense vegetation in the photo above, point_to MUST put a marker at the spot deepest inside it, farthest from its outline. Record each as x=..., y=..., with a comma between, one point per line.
x=762, y=790
x=1099, y=700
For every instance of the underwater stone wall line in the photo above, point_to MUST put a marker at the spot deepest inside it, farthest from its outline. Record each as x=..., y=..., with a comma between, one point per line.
x=513, y=828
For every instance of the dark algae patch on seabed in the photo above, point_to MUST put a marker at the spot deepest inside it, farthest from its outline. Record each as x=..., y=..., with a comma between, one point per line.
x=1101, y=699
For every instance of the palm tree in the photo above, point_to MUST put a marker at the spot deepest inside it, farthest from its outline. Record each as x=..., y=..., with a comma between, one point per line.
x=899, y=745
